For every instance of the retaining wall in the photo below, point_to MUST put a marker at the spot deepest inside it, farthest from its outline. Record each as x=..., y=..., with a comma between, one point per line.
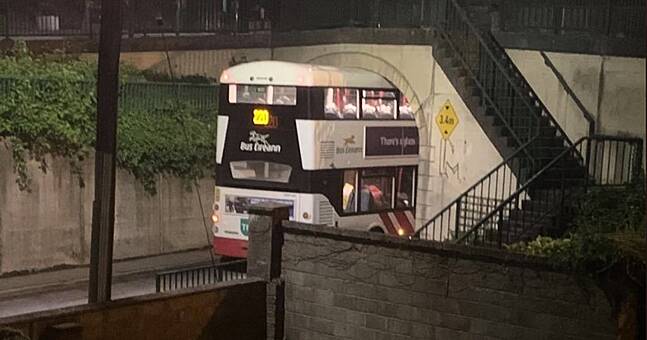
x=51, y=225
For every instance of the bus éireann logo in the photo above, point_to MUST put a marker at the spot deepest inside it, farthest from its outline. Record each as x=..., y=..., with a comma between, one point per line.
x=350, y=140
x=348, y=147
x=259, y=143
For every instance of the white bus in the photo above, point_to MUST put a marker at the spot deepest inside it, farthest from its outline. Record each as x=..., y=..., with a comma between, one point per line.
x=339, y=146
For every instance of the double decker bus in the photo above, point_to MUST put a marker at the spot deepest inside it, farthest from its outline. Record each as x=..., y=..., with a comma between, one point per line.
x=339, y=146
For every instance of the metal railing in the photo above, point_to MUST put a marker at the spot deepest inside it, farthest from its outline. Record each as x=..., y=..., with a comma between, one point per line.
x=504, y=90
x=545, y=202
x=569, y=91
x=200, y=275
x=311, y=15
x=515, y=109
x=154, y=95
x=133, y=96
x=480, y=199
x=612, y=18
x=81, y=17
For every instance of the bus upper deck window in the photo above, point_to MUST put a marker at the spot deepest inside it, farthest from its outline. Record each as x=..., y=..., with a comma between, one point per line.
x=262, y=94
x=378, y=104
x=341, y=103
x=405, y=108
x=284, y=95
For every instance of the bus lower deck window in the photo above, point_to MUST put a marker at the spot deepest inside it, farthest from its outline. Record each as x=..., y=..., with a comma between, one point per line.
x=349, y=198
x=404, y=181
x=376, y=193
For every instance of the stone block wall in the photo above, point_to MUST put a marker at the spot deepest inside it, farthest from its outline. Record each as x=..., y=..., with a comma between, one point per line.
x=352, y=285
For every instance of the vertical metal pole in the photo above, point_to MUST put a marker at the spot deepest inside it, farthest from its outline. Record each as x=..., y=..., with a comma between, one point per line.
x=103, y=212
x=6, y=19
x=177, y=17
x=458, y=219
x=587, y=164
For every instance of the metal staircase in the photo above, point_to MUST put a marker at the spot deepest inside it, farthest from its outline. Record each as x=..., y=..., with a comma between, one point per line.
x=529, y=193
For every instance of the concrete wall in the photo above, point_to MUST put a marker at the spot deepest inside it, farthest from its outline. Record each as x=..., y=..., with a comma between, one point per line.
x=51, y=225
x=224, y=311
x=611, y=88
x=353, y=285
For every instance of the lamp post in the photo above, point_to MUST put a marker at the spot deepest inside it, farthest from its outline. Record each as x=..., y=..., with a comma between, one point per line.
x=103, y=207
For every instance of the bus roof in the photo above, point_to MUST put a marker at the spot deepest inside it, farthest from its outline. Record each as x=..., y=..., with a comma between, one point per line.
x=273, y=72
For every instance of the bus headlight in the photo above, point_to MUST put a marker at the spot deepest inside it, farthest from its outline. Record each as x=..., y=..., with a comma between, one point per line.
x=306, y=216
x=215, y=218
x=215, y=230
x=400, y=231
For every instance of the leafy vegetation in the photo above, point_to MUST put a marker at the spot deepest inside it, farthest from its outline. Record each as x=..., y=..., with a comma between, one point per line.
x=608, y=243
x=609, y=228
x=48, y=107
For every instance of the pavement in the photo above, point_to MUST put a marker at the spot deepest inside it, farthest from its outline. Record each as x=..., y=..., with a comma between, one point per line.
x=52, y=280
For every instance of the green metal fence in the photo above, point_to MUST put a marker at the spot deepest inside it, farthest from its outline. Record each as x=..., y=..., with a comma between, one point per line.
x=133, y=96
x=155, y=96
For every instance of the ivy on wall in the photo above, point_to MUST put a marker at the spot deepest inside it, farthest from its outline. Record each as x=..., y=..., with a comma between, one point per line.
x=48, y=107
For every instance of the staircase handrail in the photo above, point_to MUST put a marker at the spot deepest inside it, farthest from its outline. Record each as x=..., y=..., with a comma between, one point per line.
x=516, y=70
x=489, y=100
x=635, y=168
x=521, y=189
x=585, y=112
x=481, y=181
x=479, y=34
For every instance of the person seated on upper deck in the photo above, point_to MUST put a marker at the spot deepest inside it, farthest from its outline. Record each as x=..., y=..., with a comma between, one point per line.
x=368, y=111
x=331, y=110
x=406, y=112
x=385, y=111
x=350, y=111
x=283, y=100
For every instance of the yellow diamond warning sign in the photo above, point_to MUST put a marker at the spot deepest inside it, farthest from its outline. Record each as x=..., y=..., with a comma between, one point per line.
x=446, y=120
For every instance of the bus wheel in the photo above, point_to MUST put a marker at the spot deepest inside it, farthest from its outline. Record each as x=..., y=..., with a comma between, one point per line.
x=376, y=230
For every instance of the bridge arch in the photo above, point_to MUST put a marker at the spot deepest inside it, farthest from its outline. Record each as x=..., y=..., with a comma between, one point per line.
x=419, y=91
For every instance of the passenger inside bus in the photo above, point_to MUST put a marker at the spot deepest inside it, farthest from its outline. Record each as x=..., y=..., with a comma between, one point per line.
x=368, y=109
x=385, y=110
x=373, y=198
x=337, y=98
x=405, y=108
x=348, y=197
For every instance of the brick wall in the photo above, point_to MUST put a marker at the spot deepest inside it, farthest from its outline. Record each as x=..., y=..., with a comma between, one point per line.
x=350, y=285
